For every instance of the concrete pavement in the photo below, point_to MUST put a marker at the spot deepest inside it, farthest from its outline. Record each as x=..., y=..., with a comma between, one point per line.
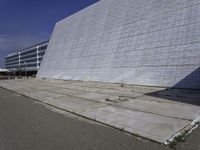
x=129, y=108
x=27, y=125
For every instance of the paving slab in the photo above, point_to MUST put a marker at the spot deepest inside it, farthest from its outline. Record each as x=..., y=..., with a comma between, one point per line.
x=72, y=104
x=121, y=93
x=74, y=87
x=43, y=95
x=129, y=108
x=96, y=97
x=151, y=126
x=176, y=110
x=68, y=92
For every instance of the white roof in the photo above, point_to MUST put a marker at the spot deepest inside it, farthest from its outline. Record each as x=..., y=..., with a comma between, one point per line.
x=3, y=70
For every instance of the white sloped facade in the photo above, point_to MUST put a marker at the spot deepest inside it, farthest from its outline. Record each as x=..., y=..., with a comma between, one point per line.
x=145, y=42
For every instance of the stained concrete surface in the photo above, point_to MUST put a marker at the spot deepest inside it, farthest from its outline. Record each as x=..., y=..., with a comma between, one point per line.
x=128, y=107
x=25, y=124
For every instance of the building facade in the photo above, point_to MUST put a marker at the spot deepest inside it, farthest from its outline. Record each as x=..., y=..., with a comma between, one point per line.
x=142, y=42
x=26, y=60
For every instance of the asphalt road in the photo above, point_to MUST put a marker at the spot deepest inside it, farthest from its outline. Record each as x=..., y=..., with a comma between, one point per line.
x=27, y=125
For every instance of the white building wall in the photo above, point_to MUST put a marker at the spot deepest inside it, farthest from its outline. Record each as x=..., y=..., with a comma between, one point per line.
x=145, y=42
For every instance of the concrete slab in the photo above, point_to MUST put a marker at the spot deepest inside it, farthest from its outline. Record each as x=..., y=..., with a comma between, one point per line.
x=68, y=92
x=121, y=93
x=43, y=95
x=73, y=87
x=175, y=110
x=72, y=104
x=131, y=108
x=151, y=126
x=96, y=97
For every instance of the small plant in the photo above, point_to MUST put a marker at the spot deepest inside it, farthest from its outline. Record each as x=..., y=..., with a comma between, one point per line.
x=172, y=145
x=179, y=138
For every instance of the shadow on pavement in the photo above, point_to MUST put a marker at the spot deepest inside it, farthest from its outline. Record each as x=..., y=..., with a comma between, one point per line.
x=191, y=93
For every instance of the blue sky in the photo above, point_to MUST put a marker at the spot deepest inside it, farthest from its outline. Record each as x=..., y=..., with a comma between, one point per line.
x=26, y=22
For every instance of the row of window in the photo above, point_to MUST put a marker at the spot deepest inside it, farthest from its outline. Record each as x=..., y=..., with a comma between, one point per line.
x=17, y=67
x=43, y=47
x=28, y=52
x=24, y=57
x=12, y=57
x=34, y=59
x=27, y=58
x=11, y=61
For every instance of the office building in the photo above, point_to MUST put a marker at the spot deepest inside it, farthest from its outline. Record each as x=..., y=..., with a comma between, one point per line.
x=26, y=60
